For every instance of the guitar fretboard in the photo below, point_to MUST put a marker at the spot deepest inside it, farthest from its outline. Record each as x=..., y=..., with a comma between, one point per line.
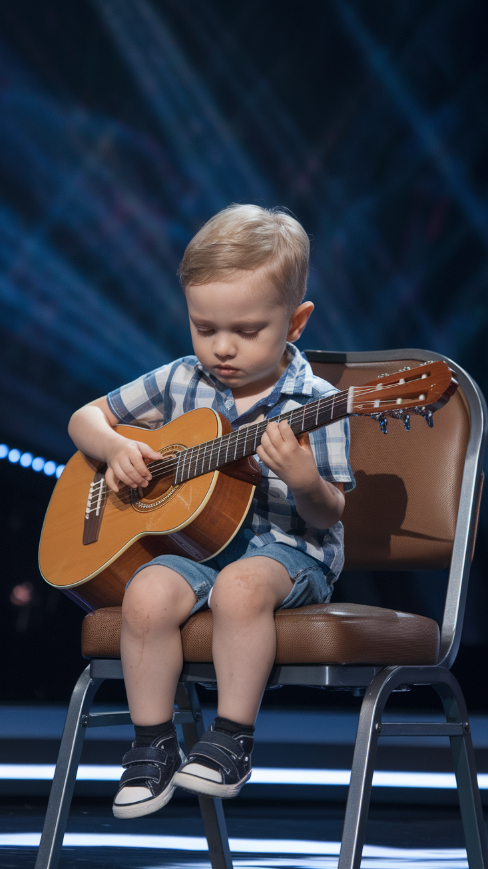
x=244, y=441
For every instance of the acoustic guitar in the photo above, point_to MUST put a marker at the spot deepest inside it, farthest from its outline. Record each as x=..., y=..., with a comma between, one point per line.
x=201, y=489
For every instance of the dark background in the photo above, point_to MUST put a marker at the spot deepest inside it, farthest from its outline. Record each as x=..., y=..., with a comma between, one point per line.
x=124, y=125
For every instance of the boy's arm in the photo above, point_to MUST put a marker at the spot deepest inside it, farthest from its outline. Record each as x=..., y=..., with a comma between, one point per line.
x=318, y=502
x=91, y=428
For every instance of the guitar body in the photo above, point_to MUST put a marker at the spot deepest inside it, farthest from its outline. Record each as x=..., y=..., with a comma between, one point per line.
x=196, y=519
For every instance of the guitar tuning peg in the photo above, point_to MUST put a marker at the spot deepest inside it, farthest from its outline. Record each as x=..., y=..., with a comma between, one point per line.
x=403, y=416
x=382, y=421
x=427, y=415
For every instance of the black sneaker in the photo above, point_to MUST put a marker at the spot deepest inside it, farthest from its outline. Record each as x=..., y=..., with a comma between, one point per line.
x=218, y=765
x=148, y=781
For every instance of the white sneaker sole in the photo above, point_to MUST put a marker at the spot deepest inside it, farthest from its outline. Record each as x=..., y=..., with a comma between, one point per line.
x=145, y=807
x=195, y=784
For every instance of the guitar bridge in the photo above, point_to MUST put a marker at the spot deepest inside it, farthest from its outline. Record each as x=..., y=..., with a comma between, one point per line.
x=95, y=506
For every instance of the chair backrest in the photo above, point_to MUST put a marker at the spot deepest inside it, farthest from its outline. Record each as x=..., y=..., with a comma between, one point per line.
x=417, y=496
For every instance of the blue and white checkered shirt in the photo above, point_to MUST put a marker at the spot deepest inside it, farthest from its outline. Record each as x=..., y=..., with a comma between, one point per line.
x=167, y=392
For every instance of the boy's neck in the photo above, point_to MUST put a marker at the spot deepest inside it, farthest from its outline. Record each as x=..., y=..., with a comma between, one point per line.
x=246, y=397
x=243, y=404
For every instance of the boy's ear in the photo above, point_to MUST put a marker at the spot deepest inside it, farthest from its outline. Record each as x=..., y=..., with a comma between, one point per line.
x=299, y=320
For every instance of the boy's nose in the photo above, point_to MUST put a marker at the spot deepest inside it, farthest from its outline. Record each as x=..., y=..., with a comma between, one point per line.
x=224, y=346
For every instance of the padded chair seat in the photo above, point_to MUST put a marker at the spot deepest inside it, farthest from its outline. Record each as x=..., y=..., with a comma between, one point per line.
x=331, y=633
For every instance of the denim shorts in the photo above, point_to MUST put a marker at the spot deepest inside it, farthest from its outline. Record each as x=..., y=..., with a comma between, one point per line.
x=310, y=583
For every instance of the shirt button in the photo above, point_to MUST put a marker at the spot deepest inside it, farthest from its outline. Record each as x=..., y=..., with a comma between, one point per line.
x=229, y=402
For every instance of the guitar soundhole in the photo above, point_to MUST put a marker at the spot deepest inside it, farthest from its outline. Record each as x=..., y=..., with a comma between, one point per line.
x=162, y=486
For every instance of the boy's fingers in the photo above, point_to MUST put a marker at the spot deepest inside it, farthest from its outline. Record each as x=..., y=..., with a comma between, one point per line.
x=110, y=480
x=148, y=452
x=304, y=440
x=274, y=433
x=140, y=468
x=127, y=473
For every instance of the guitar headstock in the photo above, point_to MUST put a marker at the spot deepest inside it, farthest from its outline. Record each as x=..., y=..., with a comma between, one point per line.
x=420, y=390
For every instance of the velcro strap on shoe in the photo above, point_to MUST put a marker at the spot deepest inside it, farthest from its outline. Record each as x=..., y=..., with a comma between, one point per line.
x=144, y=755
x=227, y=743
x=140, y=771
x=219, y=748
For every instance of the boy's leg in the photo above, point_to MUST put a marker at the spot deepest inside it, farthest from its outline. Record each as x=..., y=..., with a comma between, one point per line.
x=244, y=598
x=156, y=603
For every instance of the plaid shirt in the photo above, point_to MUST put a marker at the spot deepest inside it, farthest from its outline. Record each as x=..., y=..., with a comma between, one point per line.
x=183, y=385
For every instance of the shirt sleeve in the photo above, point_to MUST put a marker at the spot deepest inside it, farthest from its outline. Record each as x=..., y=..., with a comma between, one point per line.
x=330, y=446
x=154, y=398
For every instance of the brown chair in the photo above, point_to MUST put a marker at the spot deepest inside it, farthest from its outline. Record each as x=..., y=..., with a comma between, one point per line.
x=415, y=507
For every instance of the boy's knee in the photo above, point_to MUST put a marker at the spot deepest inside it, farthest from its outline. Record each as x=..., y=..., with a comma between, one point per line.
x=154, y=598
x=238, y=587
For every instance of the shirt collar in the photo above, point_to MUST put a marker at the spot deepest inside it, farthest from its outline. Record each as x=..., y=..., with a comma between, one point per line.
x=297, y=379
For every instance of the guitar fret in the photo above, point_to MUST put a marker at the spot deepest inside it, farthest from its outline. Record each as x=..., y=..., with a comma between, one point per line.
x=228, y=448
x=218, y=454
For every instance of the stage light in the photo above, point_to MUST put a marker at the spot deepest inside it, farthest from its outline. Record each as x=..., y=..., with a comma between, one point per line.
x=26, y=460
x=404, y=856
x=260, y=776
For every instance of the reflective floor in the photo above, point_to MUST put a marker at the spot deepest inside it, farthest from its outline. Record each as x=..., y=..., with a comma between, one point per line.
x=268, y=835
x=288, y=825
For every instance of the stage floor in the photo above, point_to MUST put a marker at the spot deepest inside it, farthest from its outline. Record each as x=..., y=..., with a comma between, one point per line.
x=288, y=825
x=264, y=835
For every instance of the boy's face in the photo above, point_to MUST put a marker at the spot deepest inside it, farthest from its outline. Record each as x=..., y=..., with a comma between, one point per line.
x=239, y=331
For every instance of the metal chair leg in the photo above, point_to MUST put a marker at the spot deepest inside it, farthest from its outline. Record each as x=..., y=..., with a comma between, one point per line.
x=466, y=778
x=65, y=773
x=211, y=809
x=362, y=770
x=369, y=728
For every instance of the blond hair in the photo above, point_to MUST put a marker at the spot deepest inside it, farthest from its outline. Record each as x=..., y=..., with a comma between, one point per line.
x=247, y=237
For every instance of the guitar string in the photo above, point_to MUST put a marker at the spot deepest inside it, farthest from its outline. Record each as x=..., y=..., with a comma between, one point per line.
x=319, y=406
x=167, y=467
x=241, y=433
x=234, y=439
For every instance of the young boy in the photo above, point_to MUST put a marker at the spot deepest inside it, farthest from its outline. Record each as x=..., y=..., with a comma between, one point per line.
x=244, y=276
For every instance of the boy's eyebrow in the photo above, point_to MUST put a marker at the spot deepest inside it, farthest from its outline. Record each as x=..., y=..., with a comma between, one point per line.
x=239, y=324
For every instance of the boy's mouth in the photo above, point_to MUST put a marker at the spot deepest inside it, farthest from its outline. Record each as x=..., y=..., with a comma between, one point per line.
x=225, y=369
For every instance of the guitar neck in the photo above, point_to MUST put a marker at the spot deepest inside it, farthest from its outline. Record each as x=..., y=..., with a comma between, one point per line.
x=244, y=441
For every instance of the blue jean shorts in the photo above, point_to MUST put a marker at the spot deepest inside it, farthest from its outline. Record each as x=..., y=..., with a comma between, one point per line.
x=310, y=583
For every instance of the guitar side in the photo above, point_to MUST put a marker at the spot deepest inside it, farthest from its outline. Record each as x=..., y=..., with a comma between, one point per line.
x=196, y=519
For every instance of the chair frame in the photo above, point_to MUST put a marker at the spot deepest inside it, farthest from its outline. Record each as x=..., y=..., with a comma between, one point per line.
x=376, y=682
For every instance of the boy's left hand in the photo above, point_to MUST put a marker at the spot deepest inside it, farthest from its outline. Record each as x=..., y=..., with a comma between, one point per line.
x=291, y=460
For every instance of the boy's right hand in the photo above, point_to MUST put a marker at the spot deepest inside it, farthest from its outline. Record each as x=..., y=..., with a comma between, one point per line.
x=126, y=460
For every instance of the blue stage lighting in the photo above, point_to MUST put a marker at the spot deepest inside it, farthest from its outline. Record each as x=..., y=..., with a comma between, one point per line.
x=26, y=460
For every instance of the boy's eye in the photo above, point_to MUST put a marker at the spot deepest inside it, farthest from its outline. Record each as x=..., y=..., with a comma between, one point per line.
x=205, y=332
x=249, y=335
